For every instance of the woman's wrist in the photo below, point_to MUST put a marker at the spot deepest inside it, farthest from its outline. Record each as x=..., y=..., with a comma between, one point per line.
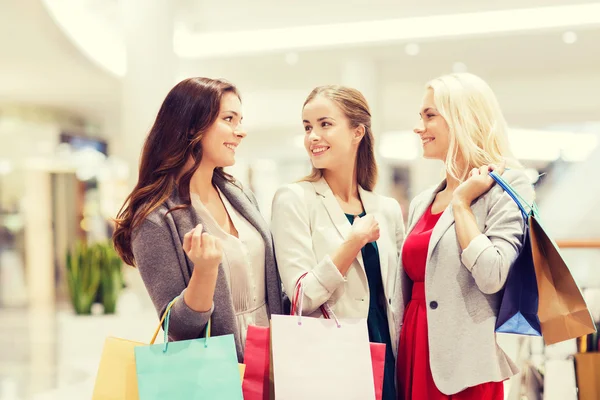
x=459, y=202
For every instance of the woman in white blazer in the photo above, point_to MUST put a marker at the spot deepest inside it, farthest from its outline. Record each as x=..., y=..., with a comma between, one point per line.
x=333, y=230
x=463, y=237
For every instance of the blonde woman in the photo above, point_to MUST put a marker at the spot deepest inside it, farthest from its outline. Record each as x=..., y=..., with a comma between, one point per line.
x=333, y=230
x=462, y=238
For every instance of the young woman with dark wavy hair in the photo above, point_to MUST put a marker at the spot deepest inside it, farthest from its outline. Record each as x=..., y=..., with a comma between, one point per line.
x=190, y=228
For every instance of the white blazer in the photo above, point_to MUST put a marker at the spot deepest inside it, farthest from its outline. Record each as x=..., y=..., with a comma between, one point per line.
x=308, y=225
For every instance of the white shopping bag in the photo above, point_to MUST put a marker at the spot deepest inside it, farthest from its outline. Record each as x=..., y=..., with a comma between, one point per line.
x=559, y=380
x=316, y=358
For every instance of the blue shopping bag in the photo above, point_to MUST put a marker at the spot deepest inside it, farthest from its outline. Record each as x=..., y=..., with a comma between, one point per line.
x=518, y=312
x=205, y=368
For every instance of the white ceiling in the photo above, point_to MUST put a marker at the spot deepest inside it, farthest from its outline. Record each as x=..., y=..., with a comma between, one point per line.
x=38, y=65
x=213, y=15
x=539, y=80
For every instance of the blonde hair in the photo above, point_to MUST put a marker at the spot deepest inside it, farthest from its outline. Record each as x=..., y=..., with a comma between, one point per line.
x=478, y=130
x=355, y=107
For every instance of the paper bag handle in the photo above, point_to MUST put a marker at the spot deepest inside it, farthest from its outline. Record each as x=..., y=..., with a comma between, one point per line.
x=297, y=303
x=518, y=199
x=166, y=313
x=165, y=319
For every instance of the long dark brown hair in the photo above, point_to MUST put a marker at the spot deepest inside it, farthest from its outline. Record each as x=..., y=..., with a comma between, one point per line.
x=187, y=112
x=355, y=107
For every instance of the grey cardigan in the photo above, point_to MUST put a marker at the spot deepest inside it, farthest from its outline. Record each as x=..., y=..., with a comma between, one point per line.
x=463, y=289
x=166, y=270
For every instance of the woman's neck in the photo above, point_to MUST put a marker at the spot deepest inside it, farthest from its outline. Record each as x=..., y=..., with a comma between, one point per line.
x=201, y=183
x=342, y=182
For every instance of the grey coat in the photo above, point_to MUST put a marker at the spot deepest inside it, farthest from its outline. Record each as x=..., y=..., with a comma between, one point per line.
x=463, y=289
x=166, y=270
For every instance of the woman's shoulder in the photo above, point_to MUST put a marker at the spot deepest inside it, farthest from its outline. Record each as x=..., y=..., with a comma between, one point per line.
x=425, y=195
x=297, y=191
x=155, y=221
x=519, y=181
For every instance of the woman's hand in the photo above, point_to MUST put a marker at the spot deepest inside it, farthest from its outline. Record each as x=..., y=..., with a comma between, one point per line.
x=206, y=253
x=365, y=230
x=478, y=183
x=203, y=249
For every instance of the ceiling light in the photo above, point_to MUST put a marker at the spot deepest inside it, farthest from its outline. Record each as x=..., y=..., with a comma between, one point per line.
x=5, y=167
x=403, y=146
x=459, y=67
x=571, y=147
x=292, y=58
x=410, y=29
x=569, y=37
x=412, y=49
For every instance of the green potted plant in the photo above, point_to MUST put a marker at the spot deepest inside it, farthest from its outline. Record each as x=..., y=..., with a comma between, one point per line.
x=111, y=277
x=83, y=277
x=93, y=272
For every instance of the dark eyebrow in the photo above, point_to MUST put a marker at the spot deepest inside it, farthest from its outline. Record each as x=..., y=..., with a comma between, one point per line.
x=234, y=113
x=429, y=109
x=319, y=120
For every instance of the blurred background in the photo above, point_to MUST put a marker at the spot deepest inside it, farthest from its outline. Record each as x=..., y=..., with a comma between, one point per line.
x=81, y=82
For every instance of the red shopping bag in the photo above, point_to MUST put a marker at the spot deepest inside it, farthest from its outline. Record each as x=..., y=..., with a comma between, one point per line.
x=378, y=360
x=257, y=354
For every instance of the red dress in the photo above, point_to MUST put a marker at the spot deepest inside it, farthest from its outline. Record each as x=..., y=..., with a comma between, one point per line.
x=415, y=381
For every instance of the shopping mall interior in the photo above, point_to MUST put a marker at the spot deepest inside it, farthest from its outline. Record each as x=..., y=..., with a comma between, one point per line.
x=81, y=82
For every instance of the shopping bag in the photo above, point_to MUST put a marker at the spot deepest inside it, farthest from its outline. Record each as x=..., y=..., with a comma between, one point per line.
x=562, y=310
x=519, y=305
x=116, y=378
x=257, y=384
x=378, y=363
x=315, y=358
x=587, y=368
x=559, y=380
x=378, y=353
x=518, y=313
x=205, y=368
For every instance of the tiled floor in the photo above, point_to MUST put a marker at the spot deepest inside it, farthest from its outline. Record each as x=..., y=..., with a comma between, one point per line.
x=52, y=354
x=28, y=361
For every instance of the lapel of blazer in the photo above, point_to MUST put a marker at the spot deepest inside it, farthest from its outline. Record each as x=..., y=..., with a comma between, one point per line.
x=187, y=219
x=421, y=207
x=246, y=208
x=184, y=219
x=338, y=218
x=241, y=201
x=443, y=224
x=333, y=207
